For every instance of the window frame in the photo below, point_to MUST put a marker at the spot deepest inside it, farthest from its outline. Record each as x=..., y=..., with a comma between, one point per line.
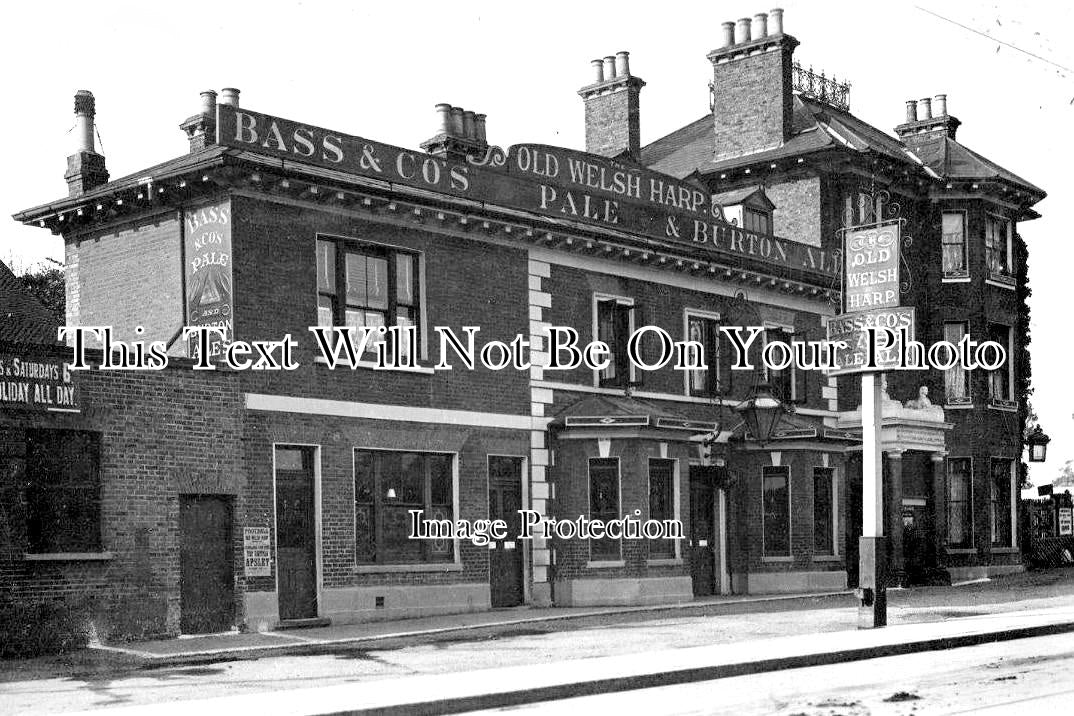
x=1007, y=401
x=602, y=558
x=967, y=398
x=789, y=554
x=968, y=542
x=963, y=272
x=1012, y=505
x=40, y=540
x=1005, y=274
x=832, y=530
x=758, y=215
x=674, y=489
x=426, y=545
x=792, y=370
x=344, y=245
x=713, y=376
x=599, y=379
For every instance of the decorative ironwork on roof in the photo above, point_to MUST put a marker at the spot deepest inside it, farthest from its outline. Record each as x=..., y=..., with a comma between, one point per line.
x=829, y=91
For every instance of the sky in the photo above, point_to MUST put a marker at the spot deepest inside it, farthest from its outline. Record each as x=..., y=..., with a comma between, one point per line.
x=377, y=70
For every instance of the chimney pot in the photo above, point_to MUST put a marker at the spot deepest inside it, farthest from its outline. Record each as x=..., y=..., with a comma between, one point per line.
x=941, y=105
x=468, y=124
x=609, y=68
x=479, y=128
x=760, y=26
x=622, y=63
x=85, y=111
x=911, y=110
x=728, y=29
x=444, y=111
x=742, y=31
x=775, y=21
x=598, y=70
x=924, y=108
x=208, y=103
x=230, y=95
x=457, y=122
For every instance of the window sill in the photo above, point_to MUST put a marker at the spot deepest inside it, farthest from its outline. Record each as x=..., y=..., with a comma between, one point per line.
x=417, y=567
x=827, y=558
x=1005, y=550
x=776, y=560
x=664, y=562
x=68, y=557
x=955, y=279
x=371, y=365
x=958, y=406
x=1003, y=407
x=961, y=550
x=1001, y=282
x=605, y=564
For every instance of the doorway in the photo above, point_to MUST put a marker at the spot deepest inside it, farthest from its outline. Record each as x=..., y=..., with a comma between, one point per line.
x=296, y=551
x=918, y=549
x=704, y=539
x=506, y=573
x=206, y=576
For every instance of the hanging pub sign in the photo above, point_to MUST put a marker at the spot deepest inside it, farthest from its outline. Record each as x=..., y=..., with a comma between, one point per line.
x=872, y=267
x=867, y=351
x=209, y=298
x=539, y=179
x=36, y=382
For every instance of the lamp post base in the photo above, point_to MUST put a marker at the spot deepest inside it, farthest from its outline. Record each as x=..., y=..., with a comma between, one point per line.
x=872, y=581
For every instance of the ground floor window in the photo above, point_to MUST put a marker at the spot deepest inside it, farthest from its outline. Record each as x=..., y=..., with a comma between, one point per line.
x=776, y=517
x=387, y=485
x=1001, y=509
x=661, y=504
x=63, y=492
x=604, y=505
x=823, y=511
x=959, y=504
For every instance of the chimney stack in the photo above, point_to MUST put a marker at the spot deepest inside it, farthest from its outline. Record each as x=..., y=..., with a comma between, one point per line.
x=230, y=95
x=926, y=120
x=613, y=108
x=85, y=168
x=201, y=128
x=752, y=85
x=460, y=133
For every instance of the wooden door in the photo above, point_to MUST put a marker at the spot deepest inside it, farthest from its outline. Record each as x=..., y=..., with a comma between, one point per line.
x=702, y=542
x=296, y=557
x=505, y=556
x=206, y=576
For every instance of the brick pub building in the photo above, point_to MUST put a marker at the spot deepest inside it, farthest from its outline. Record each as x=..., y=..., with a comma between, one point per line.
x=295, y=484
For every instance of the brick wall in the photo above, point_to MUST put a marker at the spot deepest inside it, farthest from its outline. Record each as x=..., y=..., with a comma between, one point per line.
x=613, y=120
x=753, y=102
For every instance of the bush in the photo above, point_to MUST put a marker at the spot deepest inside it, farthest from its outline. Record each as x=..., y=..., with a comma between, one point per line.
x=39, y=628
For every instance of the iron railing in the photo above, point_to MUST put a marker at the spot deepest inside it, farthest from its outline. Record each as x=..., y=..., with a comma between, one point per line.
x=819, y=87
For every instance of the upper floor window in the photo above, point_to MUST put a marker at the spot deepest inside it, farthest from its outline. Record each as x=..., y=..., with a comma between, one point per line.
x=614, y=324
x=63, y=493
x=954, y=245
x=756, y=220
x=1001, y=380
x=366, y=285
x=956, y=380
x=387, y=485
x=705, y=331
x=998, y=247
x=788, y=384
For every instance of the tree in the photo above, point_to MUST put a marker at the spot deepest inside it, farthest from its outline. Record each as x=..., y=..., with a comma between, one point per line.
x=46, y=284
x=1066, y=475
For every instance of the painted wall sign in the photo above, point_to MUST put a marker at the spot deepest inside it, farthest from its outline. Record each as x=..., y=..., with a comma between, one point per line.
x=36, y=382
x=209, y=296
x=257, y=551
x=850, y=327
x=872, y=267
x=544, y=180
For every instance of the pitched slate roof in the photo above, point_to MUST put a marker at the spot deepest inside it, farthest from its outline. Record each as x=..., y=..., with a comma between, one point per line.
x=23, y=319
x=952, y=160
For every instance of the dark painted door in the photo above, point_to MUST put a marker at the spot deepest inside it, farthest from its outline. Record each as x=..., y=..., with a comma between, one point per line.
x=702, y=543
x=505, y=556
x=853, y=526
x=206, y=578
x=918, y=550
x=295, y=540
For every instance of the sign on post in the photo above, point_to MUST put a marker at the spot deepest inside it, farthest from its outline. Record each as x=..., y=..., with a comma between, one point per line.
x=865, y=352
x=872, y=268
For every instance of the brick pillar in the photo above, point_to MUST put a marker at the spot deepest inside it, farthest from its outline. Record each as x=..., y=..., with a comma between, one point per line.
x=939, y=505
x=893, y=510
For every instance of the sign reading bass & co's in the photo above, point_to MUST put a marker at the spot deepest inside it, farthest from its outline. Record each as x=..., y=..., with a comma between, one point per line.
x=549, y=181
x=36, y=383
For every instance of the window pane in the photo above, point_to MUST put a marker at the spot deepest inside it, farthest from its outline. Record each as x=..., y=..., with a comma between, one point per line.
x=777, y=522
x=697, y=330
x=289, y=458
x=823, y=511
x=63, y=491
x=1001, y=488
x=661, y=503
x=325, y=311
x=377, y=282
x=604, y=503
x=404, y=279
x=326, y=266
x=440, y=479
x=357, y=290
x=956, y=379
x=959, y=505
x=1000, y=378
x=398, y=547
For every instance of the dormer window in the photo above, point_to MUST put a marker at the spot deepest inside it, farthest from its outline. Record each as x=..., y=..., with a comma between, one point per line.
x=749, y=208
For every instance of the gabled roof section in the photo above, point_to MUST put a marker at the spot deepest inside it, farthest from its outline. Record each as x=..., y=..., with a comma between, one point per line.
x=751, y=195
x=23, y=319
